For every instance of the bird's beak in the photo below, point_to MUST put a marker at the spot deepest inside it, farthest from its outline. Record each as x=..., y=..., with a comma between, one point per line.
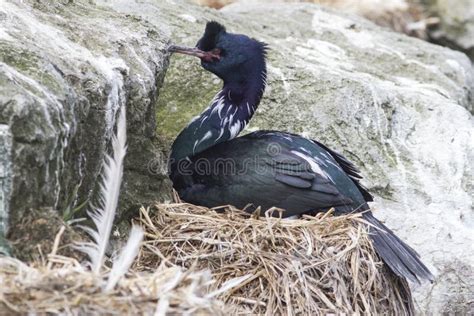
x=193, y=51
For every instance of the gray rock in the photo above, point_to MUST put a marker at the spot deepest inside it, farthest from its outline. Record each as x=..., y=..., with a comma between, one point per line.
x=65, y=69
x=396, y=106
x=5, y=182
x=456, y=27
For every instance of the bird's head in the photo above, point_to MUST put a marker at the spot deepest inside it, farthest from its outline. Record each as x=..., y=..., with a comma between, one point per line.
x=235, y=58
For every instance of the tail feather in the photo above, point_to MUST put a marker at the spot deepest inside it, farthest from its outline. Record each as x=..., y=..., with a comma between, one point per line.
x=400, y=258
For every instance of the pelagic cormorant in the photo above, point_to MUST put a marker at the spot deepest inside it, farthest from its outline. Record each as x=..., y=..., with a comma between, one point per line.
x=211, y=166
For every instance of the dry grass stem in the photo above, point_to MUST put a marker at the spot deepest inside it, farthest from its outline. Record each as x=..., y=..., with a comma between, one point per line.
x=199, y=261
x=313, y=265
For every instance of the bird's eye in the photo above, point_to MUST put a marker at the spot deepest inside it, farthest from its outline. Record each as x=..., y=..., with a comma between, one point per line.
x=216, y=51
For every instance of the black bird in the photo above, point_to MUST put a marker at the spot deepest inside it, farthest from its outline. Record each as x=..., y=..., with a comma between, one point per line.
x=210, y=166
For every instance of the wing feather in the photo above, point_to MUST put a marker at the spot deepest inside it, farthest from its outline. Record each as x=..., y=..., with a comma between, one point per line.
x=350, y=169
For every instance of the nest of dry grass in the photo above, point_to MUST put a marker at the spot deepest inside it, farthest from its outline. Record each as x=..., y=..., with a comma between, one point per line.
x=199, y=261
x=313, y=265
x=62, y=285
x=68, y=288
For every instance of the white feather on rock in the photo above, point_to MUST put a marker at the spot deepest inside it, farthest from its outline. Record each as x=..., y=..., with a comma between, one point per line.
x=104, y=215
x=126, y=257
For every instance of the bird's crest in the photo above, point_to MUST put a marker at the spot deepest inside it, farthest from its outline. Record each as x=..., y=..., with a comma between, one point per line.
x=208, y=41
x=265, y=48
x=213, y=28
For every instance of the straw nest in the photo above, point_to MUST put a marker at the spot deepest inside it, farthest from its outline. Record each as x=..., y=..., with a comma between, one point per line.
x=67, y=288
x=313, y=265
x=199, y=261
x=62, y=285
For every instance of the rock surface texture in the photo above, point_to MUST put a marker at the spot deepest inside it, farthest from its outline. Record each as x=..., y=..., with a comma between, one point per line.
x=456, y=27
x=65, y=69
x=398, y=107
x=5, y=182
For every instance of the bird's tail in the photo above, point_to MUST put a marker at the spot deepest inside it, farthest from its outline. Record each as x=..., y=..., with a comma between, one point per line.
x=401, y=258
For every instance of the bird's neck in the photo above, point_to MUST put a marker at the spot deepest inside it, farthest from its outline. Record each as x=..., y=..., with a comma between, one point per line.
x=228, y=114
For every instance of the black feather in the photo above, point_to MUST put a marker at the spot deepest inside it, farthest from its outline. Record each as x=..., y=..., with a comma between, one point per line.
x=351, y=171
x=400, y=257
x=294, y=181
x=210, y=37
x=214, y=28
x=265, y=48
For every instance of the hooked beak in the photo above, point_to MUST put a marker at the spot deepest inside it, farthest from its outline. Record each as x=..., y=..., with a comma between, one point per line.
x=194, y=51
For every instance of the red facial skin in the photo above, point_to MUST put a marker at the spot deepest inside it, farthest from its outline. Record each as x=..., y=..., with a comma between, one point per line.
x=194, y=51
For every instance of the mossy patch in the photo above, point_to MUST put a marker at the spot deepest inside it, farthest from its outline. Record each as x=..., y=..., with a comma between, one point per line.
x=28, y=63
x=180, y=100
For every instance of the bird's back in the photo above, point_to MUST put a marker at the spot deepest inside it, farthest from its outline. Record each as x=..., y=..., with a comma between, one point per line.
x=272, y=169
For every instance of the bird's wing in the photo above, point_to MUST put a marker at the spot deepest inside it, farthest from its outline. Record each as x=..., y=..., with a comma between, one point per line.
x=288, y=179
x=309, y=184
x=350, y=169
x=293, y=170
